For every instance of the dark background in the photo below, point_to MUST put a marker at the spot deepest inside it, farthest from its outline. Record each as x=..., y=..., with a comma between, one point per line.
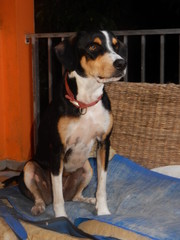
x=75, y=15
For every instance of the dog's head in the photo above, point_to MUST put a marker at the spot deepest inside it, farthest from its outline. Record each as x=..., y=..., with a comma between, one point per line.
x=98, y=55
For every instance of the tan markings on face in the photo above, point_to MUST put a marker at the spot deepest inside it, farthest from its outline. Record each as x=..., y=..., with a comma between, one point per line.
x=114, y=41
x=98, y=41
x=102, y=66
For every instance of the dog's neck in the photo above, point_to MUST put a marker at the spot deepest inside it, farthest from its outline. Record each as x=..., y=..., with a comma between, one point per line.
x=88, y=89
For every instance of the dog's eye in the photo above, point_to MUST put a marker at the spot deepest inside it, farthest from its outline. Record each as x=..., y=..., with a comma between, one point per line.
x=92, y=47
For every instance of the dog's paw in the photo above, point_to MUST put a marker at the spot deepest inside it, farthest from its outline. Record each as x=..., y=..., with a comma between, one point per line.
x=102, y=209
x=103, y=212
x=38, y=208
x=84, y=199
x=59, y=210
x=91, y=200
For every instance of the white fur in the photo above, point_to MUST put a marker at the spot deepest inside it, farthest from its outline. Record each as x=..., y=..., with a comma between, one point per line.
x=88, y=88
x=89, y=127
x=113, y=54
x=58, y=200
x=82, y=134
x=101, y=203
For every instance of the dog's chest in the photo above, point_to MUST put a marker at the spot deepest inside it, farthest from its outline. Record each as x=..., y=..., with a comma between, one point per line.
x=80, y=134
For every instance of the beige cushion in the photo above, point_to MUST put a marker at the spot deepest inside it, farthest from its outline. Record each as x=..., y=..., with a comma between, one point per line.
x=108, y=230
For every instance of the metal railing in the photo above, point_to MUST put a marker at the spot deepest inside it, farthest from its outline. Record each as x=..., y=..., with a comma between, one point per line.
x=125, y=36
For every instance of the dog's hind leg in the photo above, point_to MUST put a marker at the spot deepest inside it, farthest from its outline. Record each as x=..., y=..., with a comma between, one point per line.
x=38, y=187
x=86, y=178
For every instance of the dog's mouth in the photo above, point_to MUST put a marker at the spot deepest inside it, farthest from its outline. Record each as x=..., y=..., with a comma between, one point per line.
x=114, y=78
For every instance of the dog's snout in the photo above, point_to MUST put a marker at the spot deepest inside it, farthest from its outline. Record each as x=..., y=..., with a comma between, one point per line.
x=120, y=64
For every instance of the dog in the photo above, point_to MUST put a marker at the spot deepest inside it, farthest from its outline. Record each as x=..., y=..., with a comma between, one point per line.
x=79, y=115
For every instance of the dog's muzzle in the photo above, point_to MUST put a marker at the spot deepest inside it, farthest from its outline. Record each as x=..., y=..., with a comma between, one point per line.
x=120, y=64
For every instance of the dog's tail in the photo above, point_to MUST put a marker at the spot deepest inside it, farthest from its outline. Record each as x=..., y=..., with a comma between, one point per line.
x=10, y=181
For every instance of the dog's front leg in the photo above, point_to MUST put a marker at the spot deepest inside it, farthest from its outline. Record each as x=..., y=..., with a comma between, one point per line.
x=102, y=163
x=58, y=199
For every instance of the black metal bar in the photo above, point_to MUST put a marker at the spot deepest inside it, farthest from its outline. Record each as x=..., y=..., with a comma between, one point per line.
x=36, y=84
x=162, y=41
x=125, y=40
x=62, y=67
x=143, y=52
x=51, y=35
x=50, y=68
x=179, y=60
x=118, y=33
x=147, y=32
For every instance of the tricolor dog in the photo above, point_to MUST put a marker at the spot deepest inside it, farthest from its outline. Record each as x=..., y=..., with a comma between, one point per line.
x=79, y=115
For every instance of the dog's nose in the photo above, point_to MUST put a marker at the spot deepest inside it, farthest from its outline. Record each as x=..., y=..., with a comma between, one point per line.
x=120, y=64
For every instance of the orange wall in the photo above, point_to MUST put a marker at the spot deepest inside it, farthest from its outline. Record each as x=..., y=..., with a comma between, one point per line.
x=16, y=19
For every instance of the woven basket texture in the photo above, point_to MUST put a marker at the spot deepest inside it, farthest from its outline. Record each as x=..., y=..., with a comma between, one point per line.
x=146, y=122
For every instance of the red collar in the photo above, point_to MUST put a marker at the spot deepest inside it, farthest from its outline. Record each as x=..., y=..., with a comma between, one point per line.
x=75, y=102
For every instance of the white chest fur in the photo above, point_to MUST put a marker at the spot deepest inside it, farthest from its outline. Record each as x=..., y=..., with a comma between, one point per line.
x=81, y=134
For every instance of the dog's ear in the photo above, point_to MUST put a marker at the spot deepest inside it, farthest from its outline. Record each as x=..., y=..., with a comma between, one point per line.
x=66, y=53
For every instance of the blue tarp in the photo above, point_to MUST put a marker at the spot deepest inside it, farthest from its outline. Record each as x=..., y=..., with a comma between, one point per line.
x=140, y=200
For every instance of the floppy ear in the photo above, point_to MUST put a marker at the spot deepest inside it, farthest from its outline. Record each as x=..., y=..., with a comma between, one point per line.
x=66, y=53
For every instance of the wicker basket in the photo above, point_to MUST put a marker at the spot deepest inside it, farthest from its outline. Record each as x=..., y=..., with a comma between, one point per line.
x=146, y=122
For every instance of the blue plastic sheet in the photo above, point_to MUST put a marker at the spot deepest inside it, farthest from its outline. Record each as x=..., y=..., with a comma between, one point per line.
x=140, y=200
